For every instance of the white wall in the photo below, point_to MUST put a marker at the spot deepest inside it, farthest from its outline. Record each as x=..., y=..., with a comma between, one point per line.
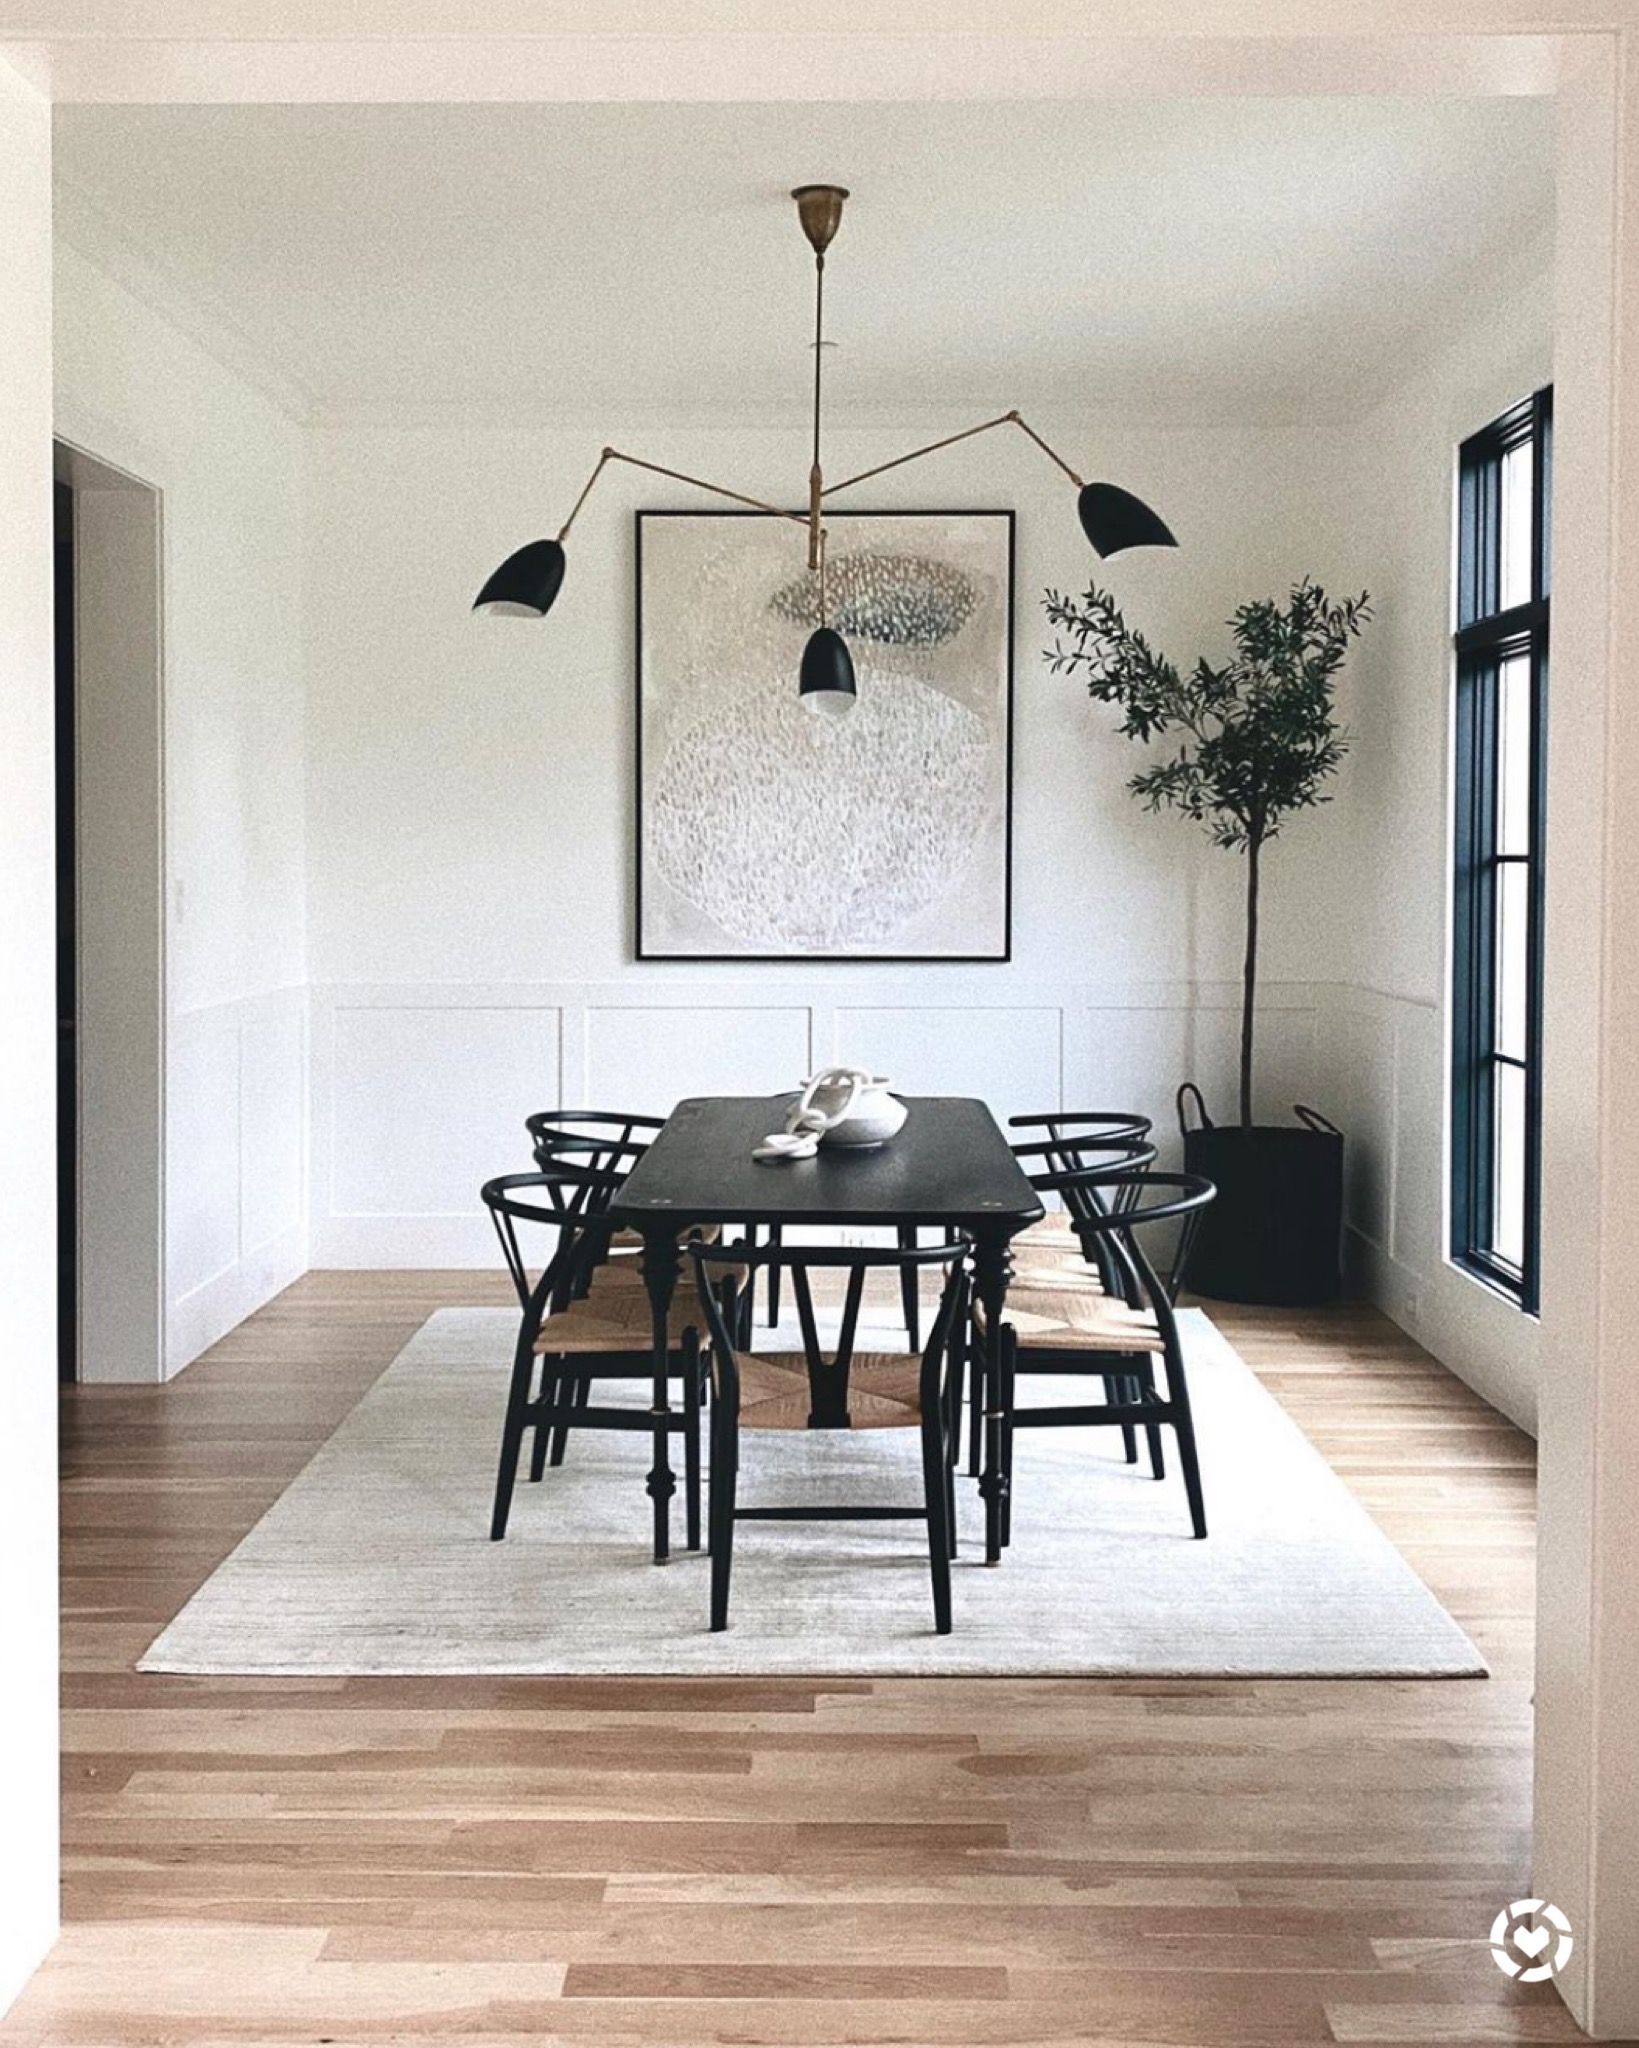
x=135, y=391
x=449, y=860
x=470, y=824
x=470, y=816
x=1385, y=1019
x=28, y=1242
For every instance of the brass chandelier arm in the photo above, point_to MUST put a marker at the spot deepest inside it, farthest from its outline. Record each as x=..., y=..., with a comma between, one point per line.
x=1005, y=419
x=677, y=476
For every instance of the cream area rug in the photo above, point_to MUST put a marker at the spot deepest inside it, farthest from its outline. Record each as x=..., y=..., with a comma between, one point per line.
x=377, y=1557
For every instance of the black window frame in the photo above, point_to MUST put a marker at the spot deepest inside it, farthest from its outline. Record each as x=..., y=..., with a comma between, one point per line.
x=1486, y=636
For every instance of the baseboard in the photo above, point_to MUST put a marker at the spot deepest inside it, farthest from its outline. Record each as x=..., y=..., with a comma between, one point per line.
x=1480, y=1339
x=208, y=1312
x=1383, y=1280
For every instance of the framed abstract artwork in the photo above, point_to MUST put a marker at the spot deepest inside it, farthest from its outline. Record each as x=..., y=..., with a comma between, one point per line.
x=767, y=833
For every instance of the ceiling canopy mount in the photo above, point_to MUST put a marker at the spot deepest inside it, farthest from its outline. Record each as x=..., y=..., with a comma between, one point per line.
x=819, y=209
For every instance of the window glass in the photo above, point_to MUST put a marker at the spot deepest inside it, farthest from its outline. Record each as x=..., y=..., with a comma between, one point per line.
x=1497, y=898
x=1513, y=944
x=1518, y=470
x=1508, y=1222
x=1514, y=750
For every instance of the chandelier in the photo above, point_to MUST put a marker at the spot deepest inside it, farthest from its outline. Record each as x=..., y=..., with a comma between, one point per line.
x=527, y=583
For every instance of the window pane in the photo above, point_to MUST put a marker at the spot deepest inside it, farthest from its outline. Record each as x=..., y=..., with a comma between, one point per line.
x=1515, y=580
x=1508, y=1167
x=1514, y=746
x=1512, y=948
x=1501, y=684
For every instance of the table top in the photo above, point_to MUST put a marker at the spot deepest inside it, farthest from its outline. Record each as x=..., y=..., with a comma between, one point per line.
x=949, y=1165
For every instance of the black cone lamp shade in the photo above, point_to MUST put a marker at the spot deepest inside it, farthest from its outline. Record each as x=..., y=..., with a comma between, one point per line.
x=826, y=683
x=525, y=584
x=1113, y=519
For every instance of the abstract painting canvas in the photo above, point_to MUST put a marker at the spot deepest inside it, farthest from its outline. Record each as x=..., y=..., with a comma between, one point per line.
x=765, y=832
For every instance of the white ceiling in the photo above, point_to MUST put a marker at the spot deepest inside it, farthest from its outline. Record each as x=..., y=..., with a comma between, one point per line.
x=1262, y=255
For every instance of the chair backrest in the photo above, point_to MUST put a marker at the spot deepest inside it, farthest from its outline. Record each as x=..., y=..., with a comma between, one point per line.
x=1119, y=1206
x=607, y=1150
x=1092, y=1178
x=567, y=1198
x=717, y=1279
x=1088, y=1137
x=1103, y=1170
x=1095, y=1127
x=608, y=1139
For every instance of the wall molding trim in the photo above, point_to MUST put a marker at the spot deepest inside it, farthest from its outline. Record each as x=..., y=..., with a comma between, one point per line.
x=418, y=1092
x=419, y=1089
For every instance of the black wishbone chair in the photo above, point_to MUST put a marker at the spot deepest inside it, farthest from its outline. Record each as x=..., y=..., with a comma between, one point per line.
x=910, y=1305
x=605, y=1154
x=1071, y=1138
x=848, y=1390
x=1120, y=1336
x=612, y=1140
x=1074, y=1260
x=567, y=1341
x=608, y=1141
x=622, y=1133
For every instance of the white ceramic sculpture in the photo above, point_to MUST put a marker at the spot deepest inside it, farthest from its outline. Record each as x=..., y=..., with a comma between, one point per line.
x=842, y=1106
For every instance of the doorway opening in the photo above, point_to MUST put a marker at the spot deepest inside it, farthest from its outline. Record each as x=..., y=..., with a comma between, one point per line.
x=110, y=922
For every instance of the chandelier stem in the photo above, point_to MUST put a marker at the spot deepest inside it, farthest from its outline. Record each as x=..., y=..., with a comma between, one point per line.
x=816, y=479
x=819, y=347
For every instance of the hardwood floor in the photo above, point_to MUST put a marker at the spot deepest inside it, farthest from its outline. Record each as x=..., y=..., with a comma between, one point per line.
x=672, y=1862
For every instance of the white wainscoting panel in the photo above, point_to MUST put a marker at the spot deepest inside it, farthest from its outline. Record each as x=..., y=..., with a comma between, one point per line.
x=419, y=1091
x=647, y=1058
x=1388, y=1056
x=236, y=1090
x=417, y=1103
x=1419, y=1122
x=1364, y=1055
x=202, y=1150
x=273, y=1118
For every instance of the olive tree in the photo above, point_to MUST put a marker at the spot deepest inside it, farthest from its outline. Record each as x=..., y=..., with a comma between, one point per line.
x=1244, y=744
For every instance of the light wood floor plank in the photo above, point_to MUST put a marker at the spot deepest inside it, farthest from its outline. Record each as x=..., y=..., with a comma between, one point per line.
x=675, y=1862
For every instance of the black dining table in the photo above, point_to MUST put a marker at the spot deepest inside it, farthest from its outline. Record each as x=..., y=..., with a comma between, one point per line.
x=949, y=1168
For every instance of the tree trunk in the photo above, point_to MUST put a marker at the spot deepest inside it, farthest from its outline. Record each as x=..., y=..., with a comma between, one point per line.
x=1254, y=846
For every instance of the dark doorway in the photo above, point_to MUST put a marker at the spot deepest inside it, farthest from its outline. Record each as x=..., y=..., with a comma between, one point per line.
x=68, y=1203
x=110, y=937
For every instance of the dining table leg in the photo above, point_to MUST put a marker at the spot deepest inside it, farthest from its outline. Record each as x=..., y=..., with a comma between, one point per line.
x=661, y=1262
x=992, y=1270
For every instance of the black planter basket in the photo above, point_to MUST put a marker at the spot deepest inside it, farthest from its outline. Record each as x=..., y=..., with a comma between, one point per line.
x=1274, y=1233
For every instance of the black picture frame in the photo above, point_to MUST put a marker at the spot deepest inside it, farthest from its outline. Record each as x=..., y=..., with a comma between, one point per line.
x=643, y=953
